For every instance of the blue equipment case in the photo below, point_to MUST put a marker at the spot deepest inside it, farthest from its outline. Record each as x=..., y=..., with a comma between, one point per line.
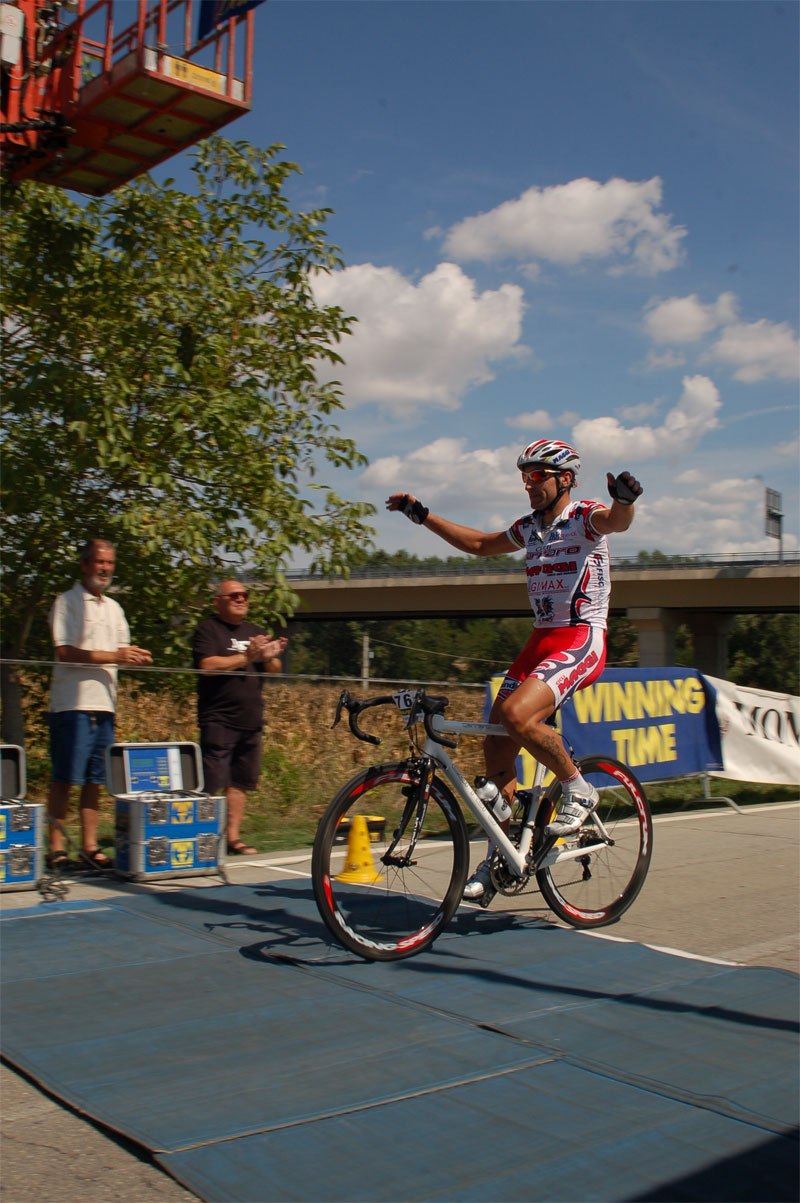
x=165, y=826
x=21, y=826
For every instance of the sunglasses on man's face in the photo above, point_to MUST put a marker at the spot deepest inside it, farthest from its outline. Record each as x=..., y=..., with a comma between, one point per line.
x=537, y=475
x=241, y=596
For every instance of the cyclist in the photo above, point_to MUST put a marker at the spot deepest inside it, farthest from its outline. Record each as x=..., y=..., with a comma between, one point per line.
x=567, y=565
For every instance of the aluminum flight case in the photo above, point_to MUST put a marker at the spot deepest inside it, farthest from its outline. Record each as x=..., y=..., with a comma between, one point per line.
x=165, y=825
x=22, y=825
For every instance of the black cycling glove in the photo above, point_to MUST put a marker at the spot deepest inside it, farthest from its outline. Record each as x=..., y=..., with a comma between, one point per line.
x=625, y=488
x=414, y=510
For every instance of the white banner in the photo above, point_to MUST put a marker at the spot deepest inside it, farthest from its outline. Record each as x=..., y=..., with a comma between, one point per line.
x=760, y=733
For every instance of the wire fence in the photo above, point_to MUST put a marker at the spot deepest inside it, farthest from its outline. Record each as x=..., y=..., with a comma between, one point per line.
x=279, y=676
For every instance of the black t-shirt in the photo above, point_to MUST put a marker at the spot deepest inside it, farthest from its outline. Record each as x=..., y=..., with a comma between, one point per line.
x=233, y=697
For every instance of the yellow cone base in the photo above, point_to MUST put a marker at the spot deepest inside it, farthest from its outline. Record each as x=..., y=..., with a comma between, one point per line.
x=358, y=867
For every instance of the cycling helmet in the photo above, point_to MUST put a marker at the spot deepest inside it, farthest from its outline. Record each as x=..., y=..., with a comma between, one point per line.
x=551, y=453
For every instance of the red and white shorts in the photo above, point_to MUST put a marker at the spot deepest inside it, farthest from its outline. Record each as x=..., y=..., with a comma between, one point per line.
x=565, y=658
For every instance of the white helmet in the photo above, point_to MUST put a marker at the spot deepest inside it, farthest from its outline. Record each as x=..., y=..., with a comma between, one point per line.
x=551, y=453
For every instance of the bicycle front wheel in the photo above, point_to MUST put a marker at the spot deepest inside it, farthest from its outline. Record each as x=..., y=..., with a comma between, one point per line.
x=598, y=871
x=390, y=908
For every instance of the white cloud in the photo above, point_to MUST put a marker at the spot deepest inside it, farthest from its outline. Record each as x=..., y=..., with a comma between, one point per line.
x=637, y=413
x=659, y=362
x=698, y=516
x=426, y=342
x=693, y=416
x=570, y=223
x=446, y=470
x=539, y=418
x=758, y=350
x=789, y=450
x=687, y=319
x=714, y=507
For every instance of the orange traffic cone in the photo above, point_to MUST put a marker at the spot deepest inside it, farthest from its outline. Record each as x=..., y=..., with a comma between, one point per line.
x=358, y=867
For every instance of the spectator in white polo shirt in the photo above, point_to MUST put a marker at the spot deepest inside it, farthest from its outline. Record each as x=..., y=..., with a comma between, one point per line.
x=91, y=637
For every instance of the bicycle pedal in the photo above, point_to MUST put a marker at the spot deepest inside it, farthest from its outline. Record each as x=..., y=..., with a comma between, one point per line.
x=485, y=898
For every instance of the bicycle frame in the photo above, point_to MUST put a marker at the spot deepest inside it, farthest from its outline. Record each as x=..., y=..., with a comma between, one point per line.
x=517, y=859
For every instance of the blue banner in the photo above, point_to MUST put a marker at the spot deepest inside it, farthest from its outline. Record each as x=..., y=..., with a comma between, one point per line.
x=661, y=722
x=216, y=12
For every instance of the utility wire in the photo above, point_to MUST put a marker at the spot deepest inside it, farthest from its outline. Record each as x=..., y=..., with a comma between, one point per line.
x=196, y=672
x=427, y=652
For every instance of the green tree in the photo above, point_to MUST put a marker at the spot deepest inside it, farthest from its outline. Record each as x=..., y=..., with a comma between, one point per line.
x=161, y=390
x=764, y=652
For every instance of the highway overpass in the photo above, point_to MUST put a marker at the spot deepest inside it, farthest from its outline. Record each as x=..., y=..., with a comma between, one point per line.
x=704, y=592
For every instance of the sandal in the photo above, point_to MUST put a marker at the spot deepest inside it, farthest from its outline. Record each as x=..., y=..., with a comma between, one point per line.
x=58, y=862
x=240, y=848
x=96, y=860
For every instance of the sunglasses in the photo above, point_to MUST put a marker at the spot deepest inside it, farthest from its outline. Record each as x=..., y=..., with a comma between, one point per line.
x=242, y=595
x=536, y=475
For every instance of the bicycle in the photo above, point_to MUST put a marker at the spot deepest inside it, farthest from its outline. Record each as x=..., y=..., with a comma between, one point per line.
x=405, y=816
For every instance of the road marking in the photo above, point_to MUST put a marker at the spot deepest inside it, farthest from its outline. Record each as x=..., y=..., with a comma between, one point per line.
x=690, y=816
x=83, y=910
x=673, y=952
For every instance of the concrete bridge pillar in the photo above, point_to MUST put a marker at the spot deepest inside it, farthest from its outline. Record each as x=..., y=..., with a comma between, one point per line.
x=656, y=630
x=710, y=630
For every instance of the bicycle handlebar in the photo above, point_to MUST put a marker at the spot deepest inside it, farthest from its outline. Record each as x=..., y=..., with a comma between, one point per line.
x=422, y=705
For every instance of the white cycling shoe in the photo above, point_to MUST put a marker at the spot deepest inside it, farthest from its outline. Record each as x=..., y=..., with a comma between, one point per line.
x=480, y=886
x=573, y=814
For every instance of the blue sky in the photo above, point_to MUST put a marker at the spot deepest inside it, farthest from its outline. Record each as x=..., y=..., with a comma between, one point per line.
x=557, y=218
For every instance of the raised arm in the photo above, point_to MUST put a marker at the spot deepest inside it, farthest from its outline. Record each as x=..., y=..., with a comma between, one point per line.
x=624, y=489
x=463, y=538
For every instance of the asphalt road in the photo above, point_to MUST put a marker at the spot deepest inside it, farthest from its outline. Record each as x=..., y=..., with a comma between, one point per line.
x=721, y=885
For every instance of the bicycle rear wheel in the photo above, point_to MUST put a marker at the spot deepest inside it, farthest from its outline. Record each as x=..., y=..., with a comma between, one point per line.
x=610, y=856
x=380, y=911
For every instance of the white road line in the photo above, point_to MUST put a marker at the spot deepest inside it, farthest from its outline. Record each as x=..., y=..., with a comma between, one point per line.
x=673, y=952
x=81, y=910
x=691, y=816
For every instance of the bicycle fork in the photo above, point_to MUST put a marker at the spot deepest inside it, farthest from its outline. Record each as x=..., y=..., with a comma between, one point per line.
x=417, y=795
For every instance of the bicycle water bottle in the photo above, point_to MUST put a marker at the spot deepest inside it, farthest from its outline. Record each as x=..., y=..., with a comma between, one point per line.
x=491, y=797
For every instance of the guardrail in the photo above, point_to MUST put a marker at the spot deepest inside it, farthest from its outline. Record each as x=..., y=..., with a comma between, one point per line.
x=510, y=565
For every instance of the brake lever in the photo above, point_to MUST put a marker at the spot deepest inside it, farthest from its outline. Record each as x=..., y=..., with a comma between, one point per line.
x=419, y=709
x=344, y=700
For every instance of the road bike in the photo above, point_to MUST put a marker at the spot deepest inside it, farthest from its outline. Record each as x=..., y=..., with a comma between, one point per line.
x=391, y=852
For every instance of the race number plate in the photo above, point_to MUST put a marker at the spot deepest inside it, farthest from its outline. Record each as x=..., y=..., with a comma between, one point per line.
x=404, y=700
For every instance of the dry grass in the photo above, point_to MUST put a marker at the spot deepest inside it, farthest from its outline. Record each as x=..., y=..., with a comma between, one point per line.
x=305, y=762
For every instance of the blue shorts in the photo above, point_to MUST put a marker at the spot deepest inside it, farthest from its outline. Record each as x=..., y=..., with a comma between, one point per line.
x=78, y=741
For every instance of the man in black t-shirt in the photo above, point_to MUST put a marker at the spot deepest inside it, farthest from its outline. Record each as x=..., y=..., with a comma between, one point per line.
x=235, y=654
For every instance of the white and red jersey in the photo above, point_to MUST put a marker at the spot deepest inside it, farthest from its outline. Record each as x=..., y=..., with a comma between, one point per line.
x=567, y=566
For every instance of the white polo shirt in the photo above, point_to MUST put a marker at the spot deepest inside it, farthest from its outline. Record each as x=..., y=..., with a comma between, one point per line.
x=98, y=624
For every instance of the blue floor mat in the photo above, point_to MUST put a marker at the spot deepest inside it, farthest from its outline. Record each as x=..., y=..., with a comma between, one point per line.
x=259, y=1062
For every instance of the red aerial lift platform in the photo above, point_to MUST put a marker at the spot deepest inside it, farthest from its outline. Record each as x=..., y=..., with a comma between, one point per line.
x=88, y=105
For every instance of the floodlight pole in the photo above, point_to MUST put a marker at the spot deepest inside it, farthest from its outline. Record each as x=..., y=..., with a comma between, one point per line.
x=773, y=518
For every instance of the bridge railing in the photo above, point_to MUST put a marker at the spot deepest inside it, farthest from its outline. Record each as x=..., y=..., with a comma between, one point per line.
x=514, y=564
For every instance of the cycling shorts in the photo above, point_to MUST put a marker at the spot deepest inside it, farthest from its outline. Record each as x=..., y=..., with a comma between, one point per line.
x=565, y=658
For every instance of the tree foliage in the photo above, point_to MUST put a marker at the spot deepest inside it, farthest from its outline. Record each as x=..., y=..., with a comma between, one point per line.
x=160, y=390
x=764, y=652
